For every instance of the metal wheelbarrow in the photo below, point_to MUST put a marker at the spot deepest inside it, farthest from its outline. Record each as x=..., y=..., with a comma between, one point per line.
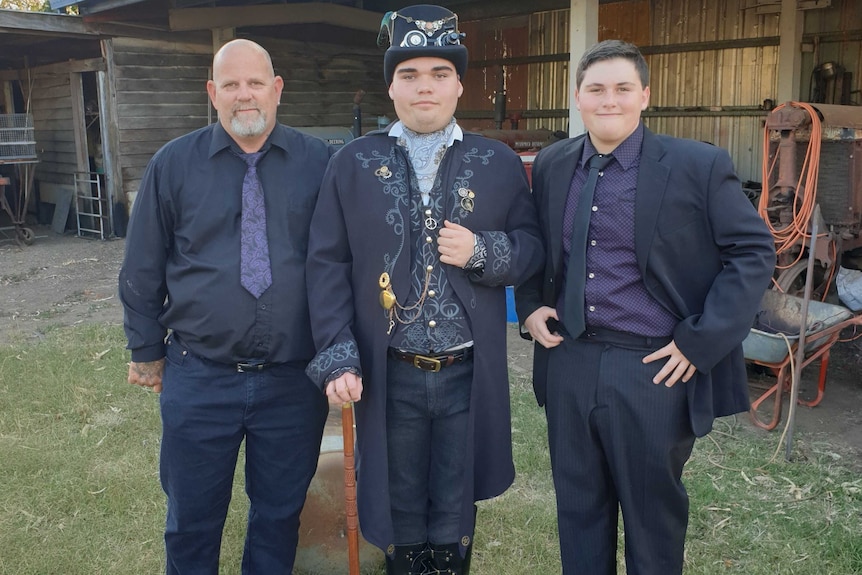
x=773, y=341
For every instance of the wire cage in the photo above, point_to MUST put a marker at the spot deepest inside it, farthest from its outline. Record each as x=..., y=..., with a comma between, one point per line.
x=17, y=138
x=17, y=147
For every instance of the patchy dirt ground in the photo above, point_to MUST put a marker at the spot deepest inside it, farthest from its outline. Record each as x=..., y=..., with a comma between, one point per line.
x=58, y=280
x=65, y=280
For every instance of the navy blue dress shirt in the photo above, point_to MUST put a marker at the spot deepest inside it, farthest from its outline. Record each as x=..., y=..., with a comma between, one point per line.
x=181, y=270
x=614, y=294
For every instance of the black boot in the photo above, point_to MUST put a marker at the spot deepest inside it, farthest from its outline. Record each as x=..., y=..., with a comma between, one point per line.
x=447, y=560
x=409, y=560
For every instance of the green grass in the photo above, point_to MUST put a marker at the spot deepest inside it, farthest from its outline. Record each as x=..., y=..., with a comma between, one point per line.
x=80, y=492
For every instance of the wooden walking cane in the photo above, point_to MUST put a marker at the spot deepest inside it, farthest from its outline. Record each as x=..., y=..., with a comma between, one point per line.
x=352, y=515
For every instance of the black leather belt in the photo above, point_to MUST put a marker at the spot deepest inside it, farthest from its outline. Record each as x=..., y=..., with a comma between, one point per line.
x=624, y=338
x=241, y=367
x=252, y=367
x=432, y=363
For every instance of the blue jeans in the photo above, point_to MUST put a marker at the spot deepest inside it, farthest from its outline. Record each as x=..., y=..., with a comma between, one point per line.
x=426, y=428
x=207, y=410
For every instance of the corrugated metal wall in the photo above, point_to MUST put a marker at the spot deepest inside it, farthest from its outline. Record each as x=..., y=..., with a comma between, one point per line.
x=730, y=81
x=834, y=35
x=549, y=82
x=714, y=64
x=710, y=90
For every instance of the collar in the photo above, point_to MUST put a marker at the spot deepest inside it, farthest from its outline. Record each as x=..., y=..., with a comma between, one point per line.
x=626, y=154
x=397, y=130
x=221, y=140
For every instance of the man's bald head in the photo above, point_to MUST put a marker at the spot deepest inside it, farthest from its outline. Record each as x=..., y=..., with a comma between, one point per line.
x=241, y=45
x=246, y=92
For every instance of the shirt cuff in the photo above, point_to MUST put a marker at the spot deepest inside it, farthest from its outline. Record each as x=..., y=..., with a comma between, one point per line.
x=480, y=254
x=149, y=353
x=338, y=373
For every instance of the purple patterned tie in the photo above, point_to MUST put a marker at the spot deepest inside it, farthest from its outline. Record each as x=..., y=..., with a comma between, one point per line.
x=255, y=273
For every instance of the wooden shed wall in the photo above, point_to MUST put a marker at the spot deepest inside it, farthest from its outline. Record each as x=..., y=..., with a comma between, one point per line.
x=54, y=129
x=321, y=79
x=160, y=90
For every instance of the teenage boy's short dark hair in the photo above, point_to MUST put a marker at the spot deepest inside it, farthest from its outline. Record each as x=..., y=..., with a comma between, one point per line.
x=609, y=50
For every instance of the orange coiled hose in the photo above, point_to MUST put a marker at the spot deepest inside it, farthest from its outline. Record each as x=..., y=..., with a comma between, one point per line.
x=804, y=194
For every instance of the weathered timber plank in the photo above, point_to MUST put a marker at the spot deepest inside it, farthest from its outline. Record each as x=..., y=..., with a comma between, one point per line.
x=162, y=110
x=166, y=73
x=44, y=114
x=175, y=97
x=190, y=123
x=156, y=59
x=183, y=44
x=134, y=160
x=159, y=87
x=41, y=92
x=45, y=138
x=160, y=136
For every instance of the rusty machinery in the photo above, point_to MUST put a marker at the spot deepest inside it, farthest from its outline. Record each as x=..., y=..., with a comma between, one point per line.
x=812, y=156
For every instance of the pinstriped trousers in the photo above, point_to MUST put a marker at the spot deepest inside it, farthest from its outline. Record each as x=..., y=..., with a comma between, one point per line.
x=618, y=442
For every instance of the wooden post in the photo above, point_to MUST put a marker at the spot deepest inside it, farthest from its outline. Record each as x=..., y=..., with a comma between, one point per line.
x=583, y=33
x=352, y=516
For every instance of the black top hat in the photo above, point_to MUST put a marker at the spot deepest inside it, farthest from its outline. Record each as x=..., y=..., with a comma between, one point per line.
x=422, y=30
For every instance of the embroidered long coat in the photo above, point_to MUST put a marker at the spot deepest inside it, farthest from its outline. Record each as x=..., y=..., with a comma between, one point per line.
x=360, y=229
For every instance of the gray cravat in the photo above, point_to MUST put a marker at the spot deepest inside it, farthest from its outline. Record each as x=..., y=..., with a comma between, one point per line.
x=255, y=272
x=573, y=314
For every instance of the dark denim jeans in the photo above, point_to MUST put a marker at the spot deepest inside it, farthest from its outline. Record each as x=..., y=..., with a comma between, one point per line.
x=207, y=410
x=426, y=426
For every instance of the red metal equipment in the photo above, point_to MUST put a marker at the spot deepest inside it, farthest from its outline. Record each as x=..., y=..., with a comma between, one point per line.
x=812, y=190
x=527, y=143
x=773, y=343
x=812, y=156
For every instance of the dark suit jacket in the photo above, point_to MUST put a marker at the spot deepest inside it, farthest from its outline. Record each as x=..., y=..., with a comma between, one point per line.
x=703, y=251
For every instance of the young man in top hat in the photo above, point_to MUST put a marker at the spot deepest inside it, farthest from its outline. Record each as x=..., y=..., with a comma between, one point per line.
x=418, y=229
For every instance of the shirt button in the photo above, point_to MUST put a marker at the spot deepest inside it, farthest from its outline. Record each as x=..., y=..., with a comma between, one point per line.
x=592, y=242
x=429, y=268
x=432, y=323
x=595, y=208
x=263, y=306
x=591, y=275
x=432, y=293
x=427, y=212
x=592, y=308
x=428, y=239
